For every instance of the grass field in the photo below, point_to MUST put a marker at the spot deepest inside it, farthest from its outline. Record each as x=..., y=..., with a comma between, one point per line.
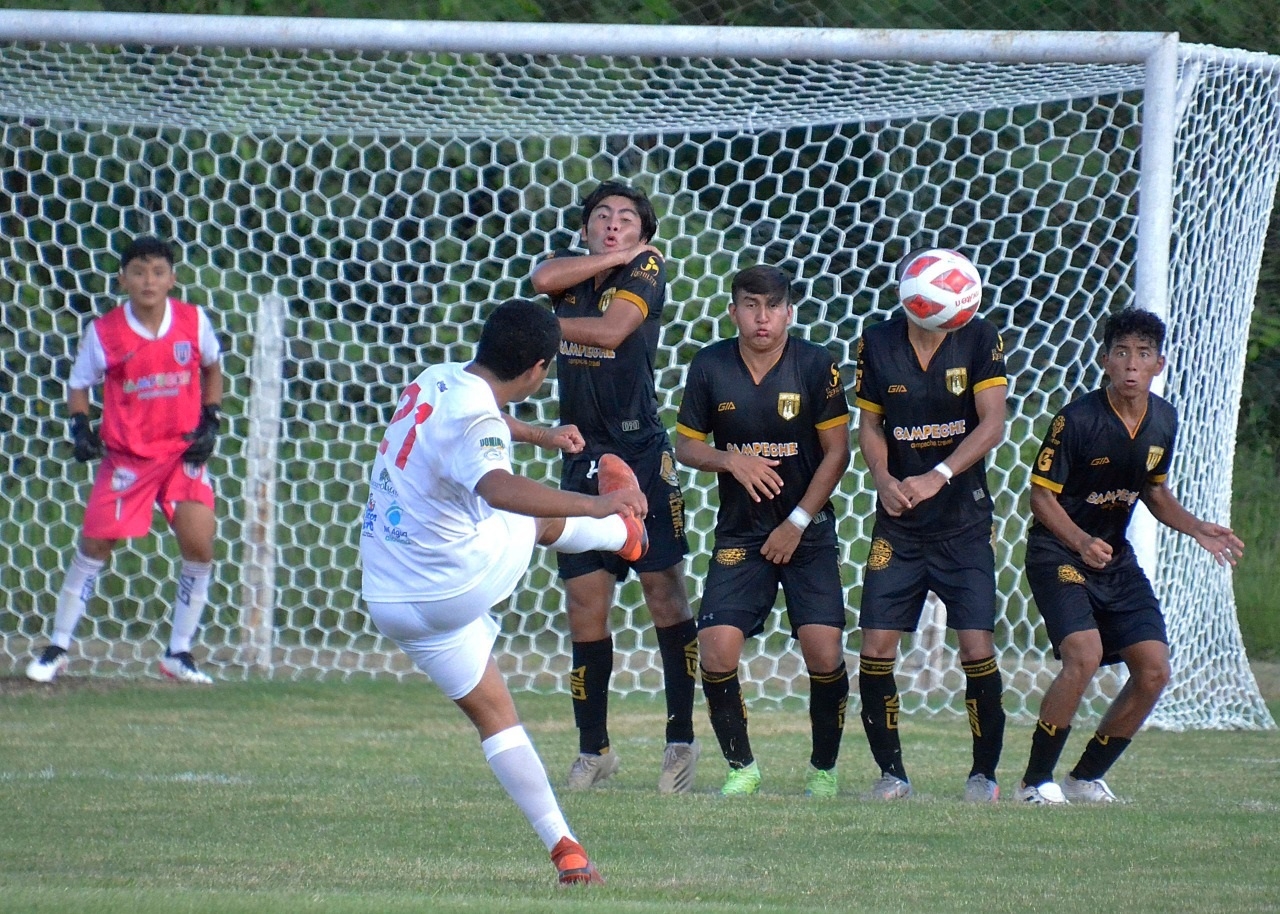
x=140, y=797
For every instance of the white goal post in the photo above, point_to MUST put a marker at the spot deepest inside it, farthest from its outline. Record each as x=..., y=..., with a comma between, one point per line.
x=347, y=196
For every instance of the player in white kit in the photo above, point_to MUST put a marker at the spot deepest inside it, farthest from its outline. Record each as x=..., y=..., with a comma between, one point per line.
x=449, y=530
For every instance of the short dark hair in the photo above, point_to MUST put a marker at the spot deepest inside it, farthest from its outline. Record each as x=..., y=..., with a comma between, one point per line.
x=146, y=246
x=1134, y=322
x=516, y=336
x=648, y=221
x=762, y=280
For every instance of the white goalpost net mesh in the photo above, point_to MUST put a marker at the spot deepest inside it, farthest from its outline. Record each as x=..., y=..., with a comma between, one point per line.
x=347, y=217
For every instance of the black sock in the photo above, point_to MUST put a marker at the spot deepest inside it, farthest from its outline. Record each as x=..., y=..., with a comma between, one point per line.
x=982, y=694
x=879, y=692
x=678, y=645
x=1099, y=756
x=589, y=685
x=1047, y=743
x=728, y=715
x=828, y=699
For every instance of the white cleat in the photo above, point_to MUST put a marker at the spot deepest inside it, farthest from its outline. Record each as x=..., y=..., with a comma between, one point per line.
x=1095, y=791
x=1046, y=794
x=589, y=769
x=889, y=787
x=679, y=765
x=182, y=668
x=45, y=668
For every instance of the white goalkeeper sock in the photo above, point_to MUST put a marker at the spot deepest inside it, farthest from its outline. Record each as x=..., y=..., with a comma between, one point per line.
x=77, y=588
x=520, y=772
x=193, y=594
x=583, y=534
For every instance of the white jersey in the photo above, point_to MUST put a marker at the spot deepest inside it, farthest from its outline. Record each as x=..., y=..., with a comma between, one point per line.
x=422, y=536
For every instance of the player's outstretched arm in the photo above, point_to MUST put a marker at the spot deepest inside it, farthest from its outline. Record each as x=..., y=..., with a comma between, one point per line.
x=755, y=474
x=1219, y=541
x=508, y=492
x=564, y=438
x=1093, y=551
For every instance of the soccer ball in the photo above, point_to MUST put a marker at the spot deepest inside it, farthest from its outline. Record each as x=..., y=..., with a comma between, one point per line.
x=940, y=289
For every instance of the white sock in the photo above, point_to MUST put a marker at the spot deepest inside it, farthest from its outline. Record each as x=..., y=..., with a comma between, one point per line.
x=583, y=534
x=520, y=772
x=77, y=587
x=193, y=594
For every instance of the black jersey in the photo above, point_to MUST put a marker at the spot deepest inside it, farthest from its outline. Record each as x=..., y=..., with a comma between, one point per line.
x=778, y=418
x=927, y=412
x=609, y=393
x=1098, y=469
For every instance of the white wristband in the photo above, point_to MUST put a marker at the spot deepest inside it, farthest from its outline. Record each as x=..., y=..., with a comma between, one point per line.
x=945, y=471
x=800, y=517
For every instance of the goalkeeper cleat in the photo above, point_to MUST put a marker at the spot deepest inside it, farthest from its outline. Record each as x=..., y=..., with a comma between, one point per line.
x=742, y=782
x=182, y=668
x=1082, y=791
x=589, y=769
x=821, y=784
x=45, y=668
x=679, y=764
x=572, y=864
x=637, y=543
x=889, y=787
x=981, y=789
x=1046, y=794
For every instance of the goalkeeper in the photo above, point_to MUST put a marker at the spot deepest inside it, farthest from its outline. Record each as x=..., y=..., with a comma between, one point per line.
x=157, y=360
x=1102, y=453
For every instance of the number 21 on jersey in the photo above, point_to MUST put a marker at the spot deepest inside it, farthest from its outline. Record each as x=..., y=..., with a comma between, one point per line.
x=408, y=404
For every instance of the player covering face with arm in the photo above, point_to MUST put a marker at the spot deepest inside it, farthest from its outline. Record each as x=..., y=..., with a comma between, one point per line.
x=609, y=302
x=1102, y=453
x=775, y=408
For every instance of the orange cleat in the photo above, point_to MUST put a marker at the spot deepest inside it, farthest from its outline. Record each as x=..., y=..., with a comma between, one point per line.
x=637, y=543
x=573, y=865
x=615, y=475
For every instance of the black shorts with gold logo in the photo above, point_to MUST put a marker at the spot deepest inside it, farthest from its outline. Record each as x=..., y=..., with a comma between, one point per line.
x=901, y=570
x=742, y=585
x=656, y=473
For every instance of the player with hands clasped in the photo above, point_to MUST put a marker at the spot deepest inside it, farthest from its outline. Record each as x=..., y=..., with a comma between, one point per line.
x=449, y=530
x=1104, y=452
x=932, y=407
x=157, y=360
x=776, y=409
x=609, y=302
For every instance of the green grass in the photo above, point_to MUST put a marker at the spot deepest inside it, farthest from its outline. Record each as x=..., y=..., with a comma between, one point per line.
x=137, y=797
x=1253, y=517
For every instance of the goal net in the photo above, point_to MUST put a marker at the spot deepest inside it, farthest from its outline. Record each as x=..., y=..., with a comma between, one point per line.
x=347, y=215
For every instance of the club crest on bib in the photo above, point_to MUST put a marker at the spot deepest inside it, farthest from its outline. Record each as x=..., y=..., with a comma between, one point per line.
x=957, y=380
x=182, y=352
x=605, y=300
x=1154, y=455
x=788, y=406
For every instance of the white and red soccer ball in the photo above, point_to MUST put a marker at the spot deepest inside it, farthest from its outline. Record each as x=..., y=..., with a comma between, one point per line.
x=940, y=289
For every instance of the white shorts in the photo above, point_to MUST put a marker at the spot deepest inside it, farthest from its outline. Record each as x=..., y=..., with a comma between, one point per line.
x=451, y=640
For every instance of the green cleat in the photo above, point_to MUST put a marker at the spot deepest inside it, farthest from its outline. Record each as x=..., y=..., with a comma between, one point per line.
x=821, y=784
x=742, y=782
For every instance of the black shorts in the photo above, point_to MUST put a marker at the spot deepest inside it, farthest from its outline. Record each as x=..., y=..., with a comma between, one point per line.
x=1118, y=602
x=656, y=473
x=742, y=585
x=900, y=572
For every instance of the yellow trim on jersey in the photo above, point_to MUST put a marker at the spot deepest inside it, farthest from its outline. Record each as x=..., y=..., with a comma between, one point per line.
x=690, y=433
x=1001, y=381
x=1047, y=483
x=869, y=406
x=832, y=423
x=1157, y=480
x=624, y=295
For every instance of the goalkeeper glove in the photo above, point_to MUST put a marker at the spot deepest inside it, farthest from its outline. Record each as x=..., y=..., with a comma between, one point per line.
x=205, y=436
x=88, y=446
